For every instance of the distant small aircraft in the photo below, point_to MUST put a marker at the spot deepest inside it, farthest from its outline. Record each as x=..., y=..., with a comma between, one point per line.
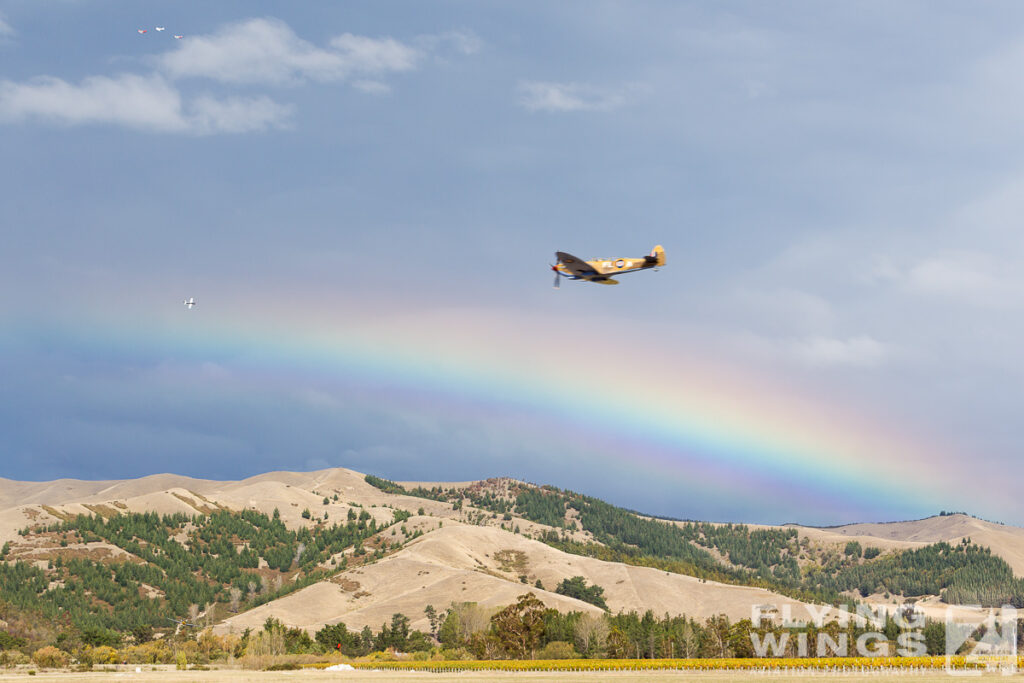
x=177, y=37
x=159, y=28
x=142, y=30
x=190, y=302
x=181, y=621
x=601, y=270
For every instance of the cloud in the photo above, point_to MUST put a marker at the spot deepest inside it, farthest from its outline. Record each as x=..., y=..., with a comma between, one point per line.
x=974, y=278
x=255, y=52
x=782, y=308
x=463, y=42
x=128, y=99
x=818, y=351
x=549, y=96
x=955, y=275
x=5, y=29
x=371, y=55
x=267, y=51
x=372, y=87
x=237, y=114
x=140, y=102
x=860, y=351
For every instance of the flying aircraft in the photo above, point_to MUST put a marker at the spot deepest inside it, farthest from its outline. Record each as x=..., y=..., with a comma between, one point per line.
x=159, y=28
x=601, y=270
x=190, y=302
x=142, y=30
x=177, y=37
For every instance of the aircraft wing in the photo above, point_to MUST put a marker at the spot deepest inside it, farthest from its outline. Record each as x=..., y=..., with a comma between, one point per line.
x=575, y=266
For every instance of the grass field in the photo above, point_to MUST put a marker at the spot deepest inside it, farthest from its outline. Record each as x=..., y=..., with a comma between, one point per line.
x=168, y=674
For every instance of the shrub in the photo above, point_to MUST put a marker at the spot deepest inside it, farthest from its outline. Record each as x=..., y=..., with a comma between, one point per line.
x=283, y=666
x=102, y=654
x=12, y=658
x=153, y=652
x=557, y=649
x=50, y=657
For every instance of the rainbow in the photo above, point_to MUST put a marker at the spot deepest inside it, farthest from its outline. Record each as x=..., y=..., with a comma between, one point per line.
x=612, y=404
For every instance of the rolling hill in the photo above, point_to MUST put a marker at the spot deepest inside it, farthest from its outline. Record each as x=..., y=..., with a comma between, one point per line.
x=337, y=546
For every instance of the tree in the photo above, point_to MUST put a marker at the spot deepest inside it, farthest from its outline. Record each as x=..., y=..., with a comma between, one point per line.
x=519, y=627
x=449, y=633
x=142, y=634
x=432, y=618
x=717, y=629
x=366, y=640
x=333, y=636
x=688, y=639
x=96, y=636
x=462, y=621
x=740, y=641
x=399, y=632
x=591, y=634
x=577, y=587
x=418, y=641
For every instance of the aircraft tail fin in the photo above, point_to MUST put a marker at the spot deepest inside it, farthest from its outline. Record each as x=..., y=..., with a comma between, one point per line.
x=658, y=253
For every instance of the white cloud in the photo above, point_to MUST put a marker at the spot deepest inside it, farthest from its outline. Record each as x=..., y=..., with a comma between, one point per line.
x=5, y=29
x=372, y=87
x=783, y=308
x=255, y=51
x=549, y=96
x=268, y=51
x=818, y=351
x=142, y=102
x=252, y=51
x=973, y=278
x=128, y=99
x=860, y=351
x=237, y=114
x=373, y=55
x=956, y=275
x=463, y=42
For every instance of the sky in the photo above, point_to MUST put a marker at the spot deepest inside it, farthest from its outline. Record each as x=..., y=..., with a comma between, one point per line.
x=365, y=199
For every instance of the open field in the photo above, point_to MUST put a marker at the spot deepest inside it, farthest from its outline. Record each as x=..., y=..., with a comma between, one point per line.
x=312, y=676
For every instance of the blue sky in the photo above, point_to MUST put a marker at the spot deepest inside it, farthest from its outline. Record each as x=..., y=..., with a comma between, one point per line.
x=837, y=187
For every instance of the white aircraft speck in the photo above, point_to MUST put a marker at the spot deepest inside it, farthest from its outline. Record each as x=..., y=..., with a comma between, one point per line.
x=159, y=28
x=177, y=37
x=142, y=30
x=189, y=302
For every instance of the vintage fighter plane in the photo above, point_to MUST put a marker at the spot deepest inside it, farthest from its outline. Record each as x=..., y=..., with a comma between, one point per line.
x=601, y=270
